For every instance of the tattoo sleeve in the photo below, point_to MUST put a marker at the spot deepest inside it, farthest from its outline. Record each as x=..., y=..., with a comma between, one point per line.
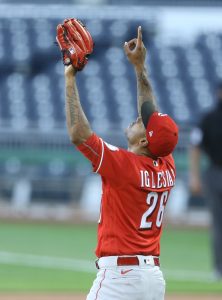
x=144, y=89
x=77, y=123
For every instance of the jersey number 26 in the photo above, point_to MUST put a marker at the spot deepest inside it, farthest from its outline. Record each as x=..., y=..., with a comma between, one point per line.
x=152, y=201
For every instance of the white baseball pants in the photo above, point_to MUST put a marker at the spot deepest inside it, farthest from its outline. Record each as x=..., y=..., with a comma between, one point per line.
x=142, y=282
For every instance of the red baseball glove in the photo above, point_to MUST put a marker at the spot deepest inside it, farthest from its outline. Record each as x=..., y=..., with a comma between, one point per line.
x=75, y=43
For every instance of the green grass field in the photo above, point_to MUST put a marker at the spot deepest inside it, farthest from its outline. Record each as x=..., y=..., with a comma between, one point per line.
x=59, y=258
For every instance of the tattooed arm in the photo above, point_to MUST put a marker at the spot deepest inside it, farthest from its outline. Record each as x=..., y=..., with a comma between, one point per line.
x=136, y=53
x=144, y=89
x=77, y=123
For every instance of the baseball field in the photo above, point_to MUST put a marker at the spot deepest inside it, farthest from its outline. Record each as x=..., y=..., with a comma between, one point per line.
x=58, y=260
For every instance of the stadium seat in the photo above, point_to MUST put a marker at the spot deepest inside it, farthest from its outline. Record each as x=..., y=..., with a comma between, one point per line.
x=32, y=89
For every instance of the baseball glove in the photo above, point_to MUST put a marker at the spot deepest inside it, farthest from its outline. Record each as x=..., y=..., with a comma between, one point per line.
x=75, y=43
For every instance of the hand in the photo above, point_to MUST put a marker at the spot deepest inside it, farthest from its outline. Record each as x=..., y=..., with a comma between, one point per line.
x=136, y=51
x=70, y=71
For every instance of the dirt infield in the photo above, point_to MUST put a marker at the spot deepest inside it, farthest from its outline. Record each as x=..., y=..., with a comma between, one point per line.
x=82, y=297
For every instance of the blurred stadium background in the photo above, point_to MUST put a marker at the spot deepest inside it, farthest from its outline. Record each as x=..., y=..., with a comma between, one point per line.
x=43, y=178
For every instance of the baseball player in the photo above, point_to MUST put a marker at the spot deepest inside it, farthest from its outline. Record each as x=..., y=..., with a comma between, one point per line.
x=136, y=184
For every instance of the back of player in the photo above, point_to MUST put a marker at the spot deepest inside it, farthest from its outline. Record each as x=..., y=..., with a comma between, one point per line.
x=135, y=191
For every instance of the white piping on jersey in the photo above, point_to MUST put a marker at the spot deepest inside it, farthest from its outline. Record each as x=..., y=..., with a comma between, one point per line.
x=97, y=154
x=101, y=156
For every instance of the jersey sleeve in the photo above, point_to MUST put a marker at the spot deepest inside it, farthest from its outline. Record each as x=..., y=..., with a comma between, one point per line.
x=170, y=160
x=171, y=164
x=107, y=160
x=92, y=149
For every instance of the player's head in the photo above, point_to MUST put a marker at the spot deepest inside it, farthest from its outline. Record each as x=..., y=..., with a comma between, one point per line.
x=154, y=134
x=136, y=136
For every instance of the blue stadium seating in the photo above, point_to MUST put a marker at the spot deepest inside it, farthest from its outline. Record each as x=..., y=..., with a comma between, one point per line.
x=32, y=81
x=32, y=93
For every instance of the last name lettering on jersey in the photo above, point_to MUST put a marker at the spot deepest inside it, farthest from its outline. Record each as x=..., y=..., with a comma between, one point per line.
x=158, y=180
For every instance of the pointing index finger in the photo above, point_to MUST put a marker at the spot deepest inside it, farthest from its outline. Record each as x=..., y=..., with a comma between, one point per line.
x=139, y=36
x=126, y=48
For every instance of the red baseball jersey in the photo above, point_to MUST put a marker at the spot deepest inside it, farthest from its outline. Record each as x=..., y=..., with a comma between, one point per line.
x=135, y=190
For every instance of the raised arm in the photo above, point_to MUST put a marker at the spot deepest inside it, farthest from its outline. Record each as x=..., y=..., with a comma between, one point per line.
x=136, y=53
x=77, y=123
